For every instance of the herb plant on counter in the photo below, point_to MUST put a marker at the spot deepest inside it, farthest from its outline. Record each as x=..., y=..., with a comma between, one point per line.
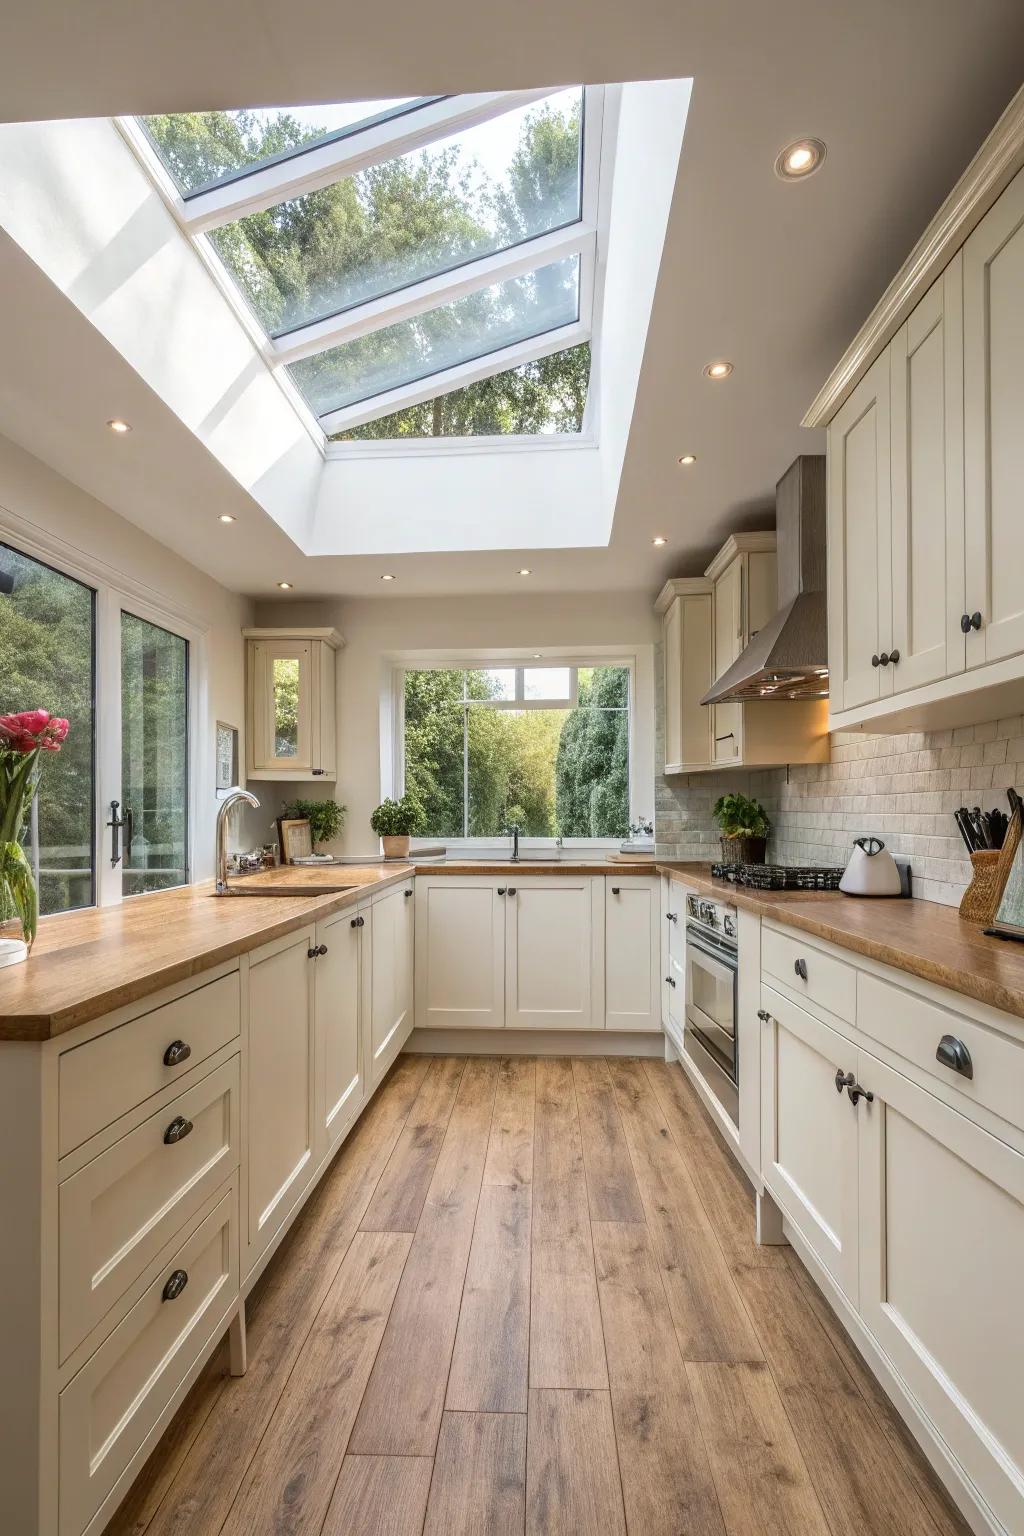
x=397, y=818
x=744, y=827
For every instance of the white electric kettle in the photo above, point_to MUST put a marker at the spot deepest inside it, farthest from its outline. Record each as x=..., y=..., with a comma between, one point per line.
x=872, y=870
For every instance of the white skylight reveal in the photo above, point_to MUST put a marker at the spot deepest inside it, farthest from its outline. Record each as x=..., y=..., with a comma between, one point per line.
x=393, y=252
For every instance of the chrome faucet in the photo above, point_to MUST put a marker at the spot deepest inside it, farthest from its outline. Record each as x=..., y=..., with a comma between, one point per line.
x=230, y=799
x=513, y=833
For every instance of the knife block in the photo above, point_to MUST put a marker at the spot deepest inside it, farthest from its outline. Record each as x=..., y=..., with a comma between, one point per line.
x=991, y=868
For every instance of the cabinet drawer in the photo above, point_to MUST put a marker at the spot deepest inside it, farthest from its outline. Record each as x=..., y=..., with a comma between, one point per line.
x=914, y=1027
x=111, y=1074
x=118, y=1211
x=810, y=973
x=109, y=1407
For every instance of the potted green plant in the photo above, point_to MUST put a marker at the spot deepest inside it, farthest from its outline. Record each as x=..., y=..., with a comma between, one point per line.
x=744, y=828
x=326, y=818
x=394, y=822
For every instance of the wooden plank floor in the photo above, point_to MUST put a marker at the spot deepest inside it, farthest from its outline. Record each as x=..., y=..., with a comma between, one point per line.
x=526, y=1301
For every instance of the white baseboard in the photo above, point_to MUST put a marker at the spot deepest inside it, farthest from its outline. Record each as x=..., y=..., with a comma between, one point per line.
x=532, y=1042
x=951, y=1474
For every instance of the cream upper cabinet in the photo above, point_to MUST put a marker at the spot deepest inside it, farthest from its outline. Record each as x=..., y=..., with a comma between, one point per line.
x=925, y=532
x=687, y=609
x=925, y=639
x=290, y=704
x=993, y=277
x=745, y=598
x=551, y=930
x=730, y=628
x=859, y=524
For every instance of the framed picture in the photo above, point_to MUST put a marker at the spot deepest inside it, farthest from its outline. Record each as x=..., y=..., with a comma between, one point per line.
x=227, y=756
x=296, y=842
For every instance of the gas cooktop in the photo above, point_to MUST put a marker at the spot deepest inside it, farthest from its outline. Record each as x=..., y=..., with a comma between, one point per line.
x=781, y=877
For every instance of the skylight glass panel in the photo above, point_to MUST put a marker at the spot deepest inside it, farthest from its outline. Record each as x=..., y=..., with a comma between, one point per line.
x=545, y=396
x=475, y=193
x=461, y=331
x=204, y=149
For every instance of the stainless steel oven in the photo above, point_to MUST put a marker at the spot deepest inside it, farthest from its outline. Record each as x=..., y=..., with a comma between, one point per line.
x=712, y=971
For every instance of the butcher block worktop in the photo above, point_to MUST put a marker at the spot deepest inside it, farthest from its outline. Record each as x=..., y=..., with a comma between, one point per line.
x=922, y=938
x=85, y=964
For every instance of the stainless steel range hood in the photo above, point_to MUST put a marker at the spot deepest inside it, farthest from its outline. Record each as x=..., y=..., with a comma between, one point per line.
x=788, y=658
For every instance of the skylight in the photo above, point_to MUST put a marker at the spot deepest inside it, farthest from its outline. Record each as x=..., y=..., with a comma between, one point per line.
x=391, y=252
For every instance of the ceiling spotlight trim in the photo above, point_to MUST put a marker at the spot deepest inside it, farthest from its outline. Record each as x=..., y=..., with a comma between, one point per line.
x=717, y=370
x=286, y=586
x=119, y=426
x=816, y=150
x=686, y=459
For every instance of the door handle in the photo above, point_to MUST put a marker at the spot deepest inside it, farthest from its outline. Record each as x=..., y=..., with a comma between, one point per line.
x=969, y=621
x=800, y=967
x=727, y=737
x=176, y=1053
x=501, y=890
x=857, y=1093
x=115, y=824
x=616, y=890
x=178, y=1129
x=844, y=1079
x=670, y=980
x=954, y=1054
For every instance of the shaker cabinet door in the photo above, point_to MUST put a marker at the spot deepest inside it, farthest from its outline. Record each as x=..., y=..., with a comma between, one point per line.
x=340, y=1072
x=926, y=365
x=993, y=277
x=859, y=571
x=941, y=1260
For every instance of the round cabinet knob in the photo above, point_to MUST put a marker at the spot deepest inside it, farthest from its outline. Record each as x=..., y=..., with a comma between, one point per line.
x=176, y=1283
x=178, y=1129
x=670, y=980
x=969, y=621
x=407, y=893
x=511, y=890
x=883, y=660
x=321, y=949
x=616, y=890
x=894, y=657
x=876, y=661
x=312, y=953
x=764, y=1015
x=501, y=890
x=176, y=1053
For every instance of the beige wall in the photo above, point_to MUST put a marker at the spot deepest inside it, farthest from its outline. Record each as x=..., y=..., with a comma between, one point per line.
x=376, y=630
x=37, y=503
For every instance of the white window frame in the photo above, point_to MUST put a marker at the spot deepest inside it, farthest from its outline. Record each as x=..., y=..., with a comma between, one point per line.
x=307, y=170
x=393, y=728
x=114, y=594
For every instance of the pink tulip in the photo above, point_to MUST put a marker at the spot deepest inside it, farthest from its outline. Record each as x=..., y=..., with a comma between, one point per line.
x=32, y=729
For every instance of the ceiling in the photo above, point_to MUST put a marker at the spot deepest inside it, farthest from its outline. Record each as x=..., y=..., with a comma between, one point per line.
x=775, y=277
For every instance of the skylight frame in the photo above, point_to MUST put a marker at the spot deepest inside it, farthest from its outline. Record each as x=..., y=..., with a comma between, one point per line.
x=310, y=168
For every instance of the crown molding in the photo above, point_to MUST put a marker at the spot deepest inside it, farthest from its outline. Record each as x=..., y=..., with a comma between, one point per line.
x=989, y=173
x=682, y=586
x=761, y=543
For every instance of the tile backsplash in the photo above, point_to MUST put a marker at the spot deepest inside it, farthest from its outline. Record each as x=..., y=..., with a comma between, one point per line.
x=903, y=789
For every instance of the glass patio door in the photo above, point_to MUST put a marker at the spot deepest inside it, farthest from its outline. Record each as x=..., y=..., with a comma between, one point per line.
x=154, y=831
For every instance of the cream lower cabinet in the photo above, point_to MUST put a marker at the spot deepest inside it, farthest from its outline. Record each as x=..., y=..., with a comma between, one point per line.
x=460, y=952
x=550, y=935
x=339, y=978
x=559, y=951
x=632, y=953
x=392, y=928
x=941, y=1267
x=279, y=1056
x=809, y=1133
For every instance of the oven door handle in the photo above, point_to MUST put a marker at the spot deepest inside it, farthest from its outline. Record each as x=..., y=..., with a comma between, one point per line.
x=711, y=1025
x=712, y=963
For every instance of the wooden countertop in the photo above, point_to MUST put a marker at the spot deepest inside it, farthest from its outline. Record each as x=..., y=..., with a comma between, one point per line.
x=85, y=964
x=922, y=938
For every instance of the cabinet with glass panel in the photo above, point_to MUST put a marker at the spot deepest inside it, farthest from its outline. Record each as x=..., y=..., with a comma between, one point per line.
x=290, y=683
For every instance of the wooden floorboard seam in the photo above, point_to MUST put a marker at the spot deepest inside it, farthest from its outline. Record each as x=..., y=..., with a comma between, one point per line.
x=284, y=1386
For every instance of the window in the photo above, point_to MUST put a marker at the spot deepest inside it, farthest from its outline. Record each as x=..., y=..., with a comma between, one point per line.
x=63, y=644
x=154, y=756
x=395, y=253
x=47, y=661
x=546, y=748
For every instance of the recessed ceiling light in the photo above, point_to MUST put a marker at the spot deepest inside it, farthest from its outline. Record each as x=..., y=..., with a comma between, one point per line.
x=799, y=159
x=225, y=517
x=387, y=576
x=536, y=655
x=688, y=458
x=659, y=540
x=285, y=586
x=119, y=426
x=717, y=370
x=524, y=570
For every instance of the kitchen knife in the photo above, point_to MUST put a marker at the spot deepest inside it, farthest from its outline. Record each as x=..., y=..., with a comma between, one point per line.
x=966, y=830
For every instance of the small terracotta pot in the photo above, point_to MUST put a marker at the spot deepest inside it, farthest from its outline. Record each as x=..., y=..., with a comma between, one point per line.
x=396, y=847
